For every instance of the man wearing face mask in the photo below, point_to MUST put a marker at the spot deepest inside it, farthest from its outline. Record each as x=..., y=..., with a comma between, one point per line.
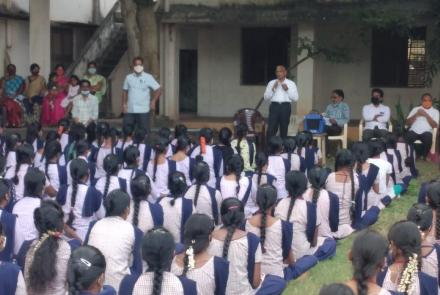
x=422, y=120
x=140, y=95
x=98, y=82
x=85, y=107
x=376, y=116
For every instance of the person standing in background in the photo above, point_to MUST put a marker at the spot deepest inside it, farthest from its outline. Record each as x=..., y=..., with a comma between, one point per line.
x=98, y=82
x=35, y=90
x=281, y=92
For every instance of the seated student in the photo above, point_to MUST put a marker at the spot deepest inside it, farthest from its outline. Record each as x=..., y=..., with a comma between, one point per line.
x=34, y=137
x=402, y=274
x=278, y=166
x=130, y=169
x=312, y=155
x=143, y=214
x=176, y=209
x=244, y=147
x=422, y=215
x=25, y=158
x=98, y=138
x=408, y=157
x=121, y=247
x=243, y=251
x=433, y=200
x=11, y=277
x=85, y=272
x=107, y=147
x=234, y=185
x=367, y=255
x=34, y=183
x=82, y=151
x=12, y=141
x=165, y=133
x=421, y=121
x=145, y=150
x=337, y=289
x=77, y=133
x=160, y=167
x=179, y=130
x=209, y=272
x=46, y=260
x=158, y=252
x=110, y=181
x=336, y=114
x=127, y=139
x=211, y=156
x=303, y=216
x=82, y=203
x=376, y=116
x=8, y=221
x=184, y=163
x=224, y=145
x=206, y=199
x=296, y=162
x=344, y=184
x=276, y=239
x=258, y=178
x=55, y=173
x=395, y=159
x=385, y=183
x=63, y=131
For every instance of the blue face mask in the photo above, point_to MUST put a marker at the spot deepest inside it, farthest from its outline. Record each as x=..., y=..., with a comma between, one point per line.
x=85, y=92
x=91, y=71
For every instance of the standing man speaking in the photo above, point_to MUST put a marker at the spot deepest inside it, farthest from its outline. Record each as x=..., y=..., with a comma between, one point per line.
x=139, y=96
x=281, y=92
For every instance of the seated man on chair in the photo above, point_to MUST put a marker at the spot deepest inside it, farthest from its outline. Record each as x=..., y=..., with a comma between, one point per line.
x=336, y=114
x=376, y=116
x=421, y=122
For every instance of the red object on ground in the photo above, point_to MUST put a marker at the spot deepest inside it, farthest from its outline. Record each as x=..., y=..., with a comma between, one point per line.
x=14, y=113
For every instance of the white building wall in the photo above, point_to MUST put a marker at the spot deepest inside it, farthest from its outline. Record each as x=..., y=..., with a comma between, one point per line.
x=15, y=45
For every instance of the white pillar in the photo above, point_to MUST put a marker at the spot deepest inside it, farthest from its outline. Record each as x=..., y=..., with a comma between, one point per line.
x=305, y=75
x=170, y=73
x=39, y=34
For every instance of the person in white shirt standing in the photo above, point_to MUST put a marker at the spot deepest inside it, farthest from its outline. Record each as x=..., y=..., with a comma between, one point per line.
x=421, y=120
x=281, y=92
x=376, y=116
x=85, y=105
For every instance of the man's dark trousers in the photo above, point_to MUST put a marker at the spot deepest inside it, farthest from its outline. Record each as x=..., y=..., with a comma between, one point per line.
x=139, y=121
x=279, y=118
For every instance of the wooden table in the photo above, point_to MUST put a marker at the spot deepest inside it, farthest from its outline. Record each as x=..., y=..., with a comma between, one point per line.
x=320, y=140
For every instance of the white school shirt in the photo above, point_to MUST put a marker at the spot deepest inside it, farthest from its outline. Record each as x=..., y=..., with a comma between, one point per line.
x=80, y=223
x=113, y=184
x=209, y=159
x=116, y=246
x=69, y=176
x=281, y=95
x=183, y=166
x=172, y=216
x=322, y=211
x=102, y=153
x=228, y=189
x=126, y=174
x=54, y=177
x=24, y=227
x=64, y=140
x=170, y=284
x=276, y=168
x=145, y=219
x=238, y=282
x=421, y=124
x=11, y=159
x=204, y=204
x=19, y=187
x=295, y=161
x=162, y=173
x=369, y=111
x=388, y=284
x=126, y=144
x=385, y=169
x=252, y=206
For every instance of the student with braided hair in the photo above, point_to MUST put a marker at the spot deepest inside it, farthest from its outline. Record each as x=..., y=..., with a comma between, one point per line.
x=278, y=166
x=46, y=261
x=107, y=147
x=63, y=132
x=12, y=141
x=158, y=253
x=184, y=163
x=143, y=214
x=296, y=162
x=244, y=147
x=176, y=209
x=82, y=203
x=110, y=181
x=305, y=149
x=85, y=272
x=224, y=145
x=367, y=256
x=385, y=182
x=160, y=167
x=55, y=173
x=210, y=273
x=127, y=139
x=345, y=185
x=34, y=137
x=25, y=159
x=82, y=150
x=206, y=199
x=404, y=273
x=433, y=200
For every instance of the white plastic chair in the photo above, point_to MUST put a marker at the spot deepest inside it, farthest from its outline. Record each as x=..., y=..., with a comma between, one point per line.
x=434, y=141
x=361, y=128
x=343, y=137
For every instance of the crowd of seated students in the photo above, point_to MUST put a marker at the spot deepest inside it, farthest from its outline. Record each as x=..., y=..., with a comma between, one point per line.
x=92, y=210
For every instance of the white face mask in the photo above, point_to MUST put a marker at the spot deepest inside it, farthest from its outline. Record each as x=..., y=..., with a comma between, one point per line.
x=85, y=92
x=92, y=71
x=138, y=69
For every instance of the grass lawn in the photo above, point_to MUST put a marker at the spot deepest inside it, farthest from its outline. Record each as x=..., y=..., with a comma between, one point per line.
x=338, y=269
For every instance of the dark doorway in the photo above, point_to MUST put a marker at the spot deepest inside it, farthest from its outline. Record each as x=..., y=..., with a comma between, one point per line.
x=188, y=81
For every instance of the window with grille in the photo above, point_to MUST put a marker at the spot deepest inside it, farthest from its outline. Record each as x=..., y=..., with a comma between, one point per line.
x=398, y=61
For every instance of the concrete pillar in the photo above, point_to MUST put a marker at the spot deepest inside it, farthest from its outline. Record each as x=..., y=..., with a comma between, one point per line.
x=170, y=72
x=39, y=34
x=305, y=75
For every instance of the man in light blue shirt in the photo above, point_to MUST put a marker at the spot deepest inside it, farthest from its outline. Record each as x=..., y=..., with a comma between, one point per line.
x=336, y=114
x=140, y=95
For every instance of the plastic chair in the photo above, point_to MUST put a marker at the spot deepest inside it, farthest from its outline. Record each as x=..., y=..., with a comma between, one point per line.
x=434, y=141
x=361, y=128
x=343, y=137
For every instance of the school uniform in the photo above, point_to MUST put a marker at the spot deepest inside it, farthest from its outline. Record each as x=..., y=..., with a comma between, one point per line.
x=121, y=247
x=88, y=207
x=162, y=172
x=101, y=153
x=211, y=278
x=24, y=227
x=311, y=155
x=186, y=167
x=278, y=167
x=106, y=290
x=214, y=159
x=252, y=206
x=408, y=158
x=145, y=152
x=114, y=183
x=385, y=172
x=11, y=159
x=92, y=170
x=228, y=189
x=431, y=260
x=64, y=140
x=19, y=187
x=38, y=146
x=56, y=174
x=423, y=284
x=8, y=221
x=296, y=162
x=175, y=217
x=247, y=152
x=128, y=174
x=208, y=201
x=149, y=216
x=11, y=279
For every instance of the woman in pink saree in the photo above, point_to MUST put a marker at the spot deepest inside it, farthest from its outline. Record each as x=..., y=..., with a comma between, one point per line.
x=52, y=111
